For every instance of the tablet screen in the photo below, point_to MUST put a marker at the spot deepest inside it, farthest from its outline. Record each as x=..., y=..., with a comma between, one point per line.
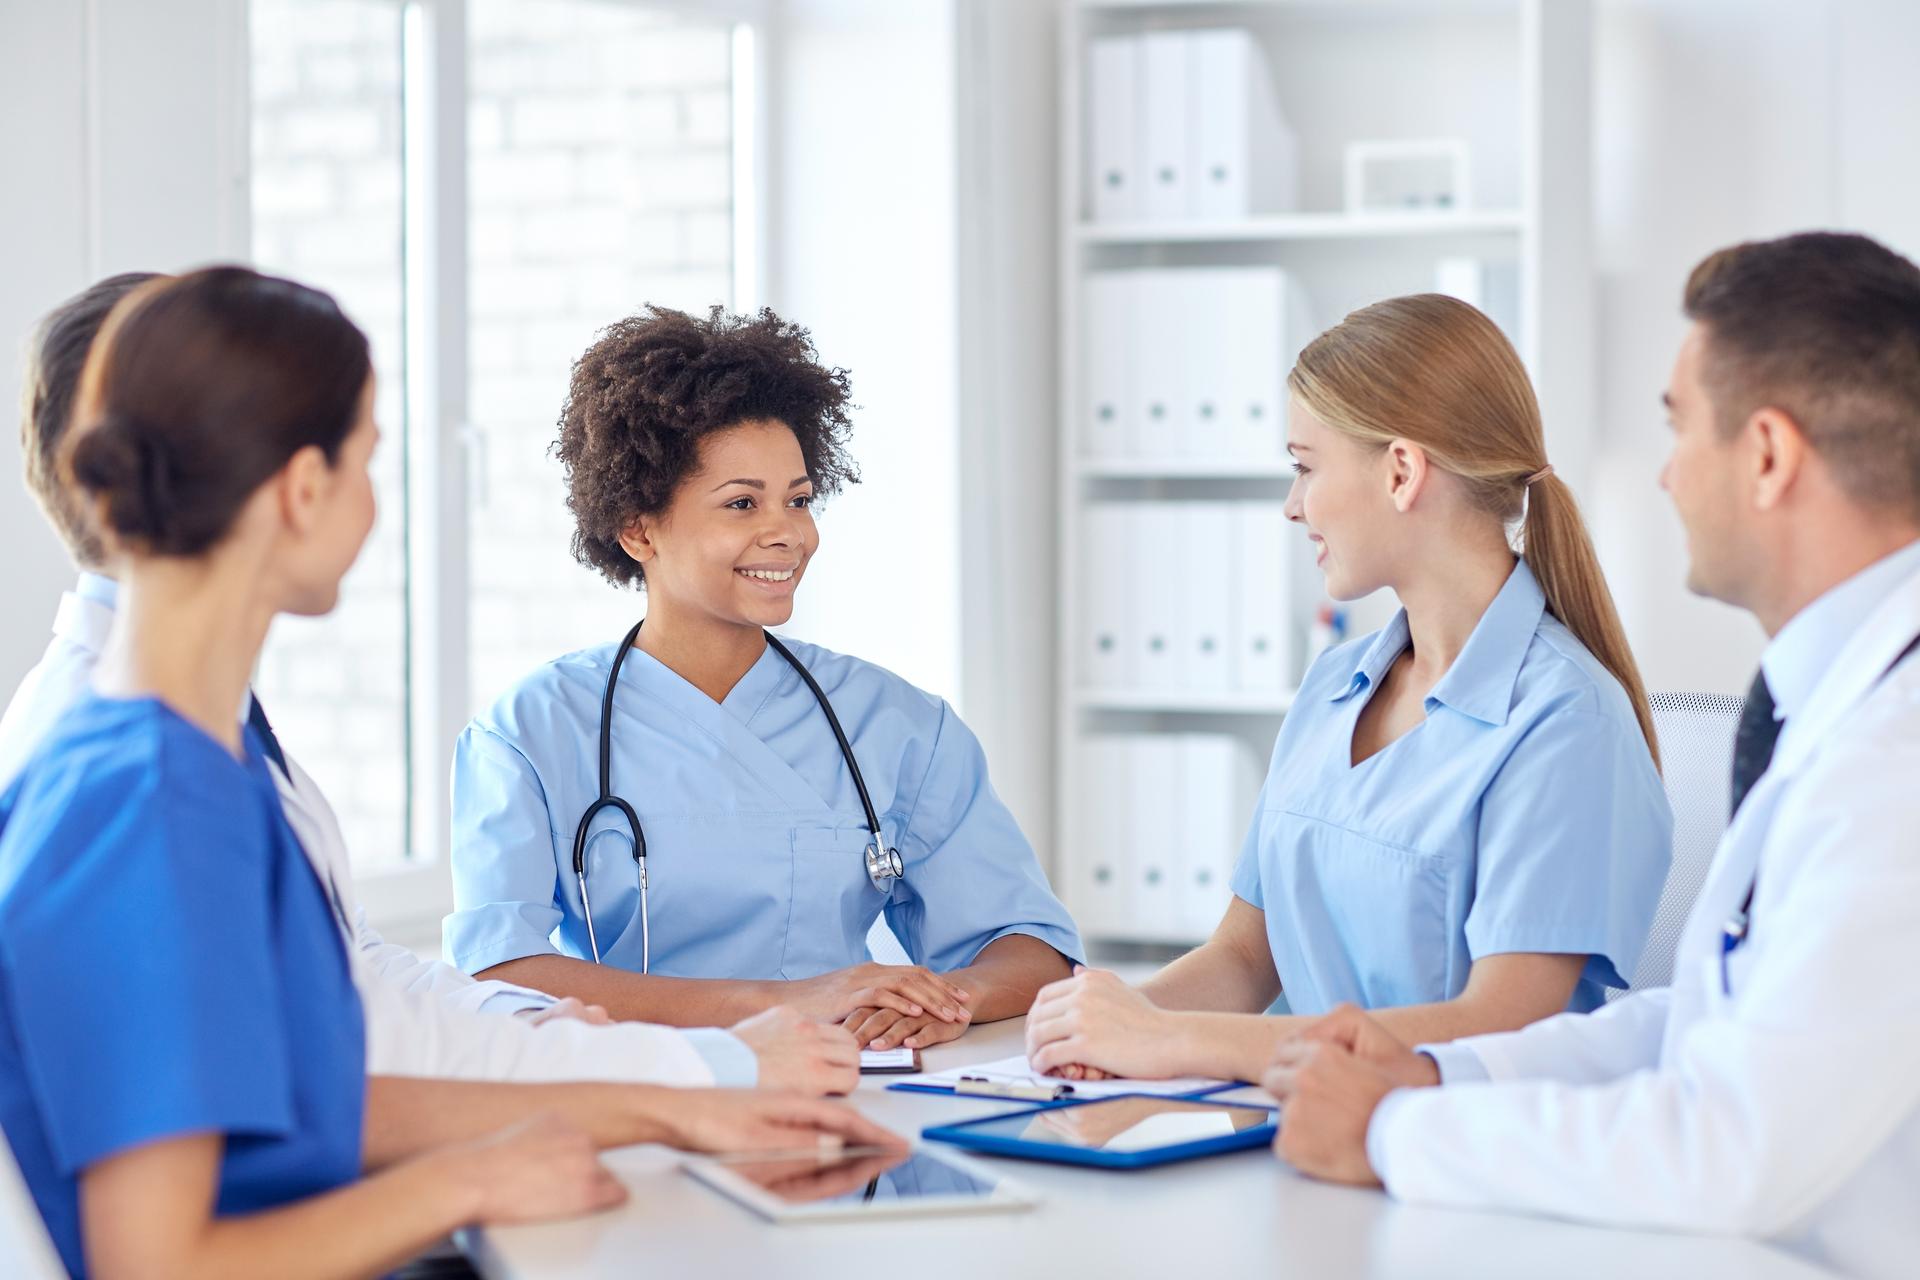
x=1127, y=1124
x=860, y=1177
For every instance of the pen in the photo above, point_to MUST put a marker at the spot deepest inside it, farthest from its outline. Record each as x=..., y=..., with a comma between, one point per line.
x=981, y=1086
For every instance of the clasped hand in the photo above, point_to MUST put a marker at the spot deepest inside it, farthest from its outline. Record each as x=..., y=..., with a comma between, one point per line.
x=887, y=1006
x=1330, y=1079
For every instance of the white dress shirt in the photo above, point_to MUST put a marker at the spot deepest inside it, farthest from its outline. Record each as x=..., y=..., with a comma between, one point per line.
x=1772, y=1092
x=424, y=1017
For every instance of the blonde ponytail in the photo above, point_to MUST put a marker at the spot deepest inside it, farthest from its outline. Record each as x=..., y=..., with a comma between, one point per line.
x=1431, y=369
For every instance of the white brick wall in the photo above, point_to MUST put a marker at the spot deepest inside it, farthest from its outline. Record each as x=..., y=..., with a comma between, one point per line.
x=604, y=134
x=327, y=211
x=599, y=180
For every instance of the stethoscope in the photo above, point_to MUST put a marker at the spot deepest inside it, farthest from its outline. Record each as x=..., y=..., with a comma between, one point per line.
x=1734, y=933
x=883, y=862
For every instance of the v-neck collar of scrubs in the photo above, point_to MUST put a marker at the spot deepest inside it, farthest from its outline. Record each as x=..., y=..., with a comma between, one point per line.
x=744, y=701
x=1480, y=681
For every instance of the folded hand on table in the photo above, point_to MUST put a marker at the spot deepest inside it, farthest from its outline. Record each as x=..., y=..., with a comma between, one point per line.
x=910, y=990
x=1330, y=1079
x=798, y=1053
x=1094, y=1025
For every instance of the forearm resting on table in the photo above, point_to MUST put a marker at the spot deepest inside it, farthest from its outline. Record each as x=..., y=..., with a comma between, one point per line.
x=633, y=997
x=405, y=1115
x=149, y=1213
x=1232, y=972
x=1009, y=971
x=1503, y=993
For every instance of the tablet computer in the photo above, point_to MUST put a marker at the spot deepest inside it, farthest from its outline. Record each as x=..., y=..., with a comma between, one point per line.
x=1130, y=1131
x=859, y=1182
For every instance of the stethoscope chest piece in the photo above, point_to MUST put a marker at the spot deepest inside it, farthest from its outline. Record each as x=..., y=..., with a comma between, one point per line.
x=884, y=866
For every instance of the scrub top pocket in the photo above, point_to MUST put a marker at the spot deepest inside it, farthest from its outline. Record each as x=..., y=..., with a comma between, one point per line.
x=834, y=902
x=1370, y=918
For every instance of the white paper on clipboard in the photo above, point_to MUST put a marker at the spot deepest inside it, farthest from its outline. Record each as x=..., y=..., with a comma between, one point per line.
x=1017, y=1070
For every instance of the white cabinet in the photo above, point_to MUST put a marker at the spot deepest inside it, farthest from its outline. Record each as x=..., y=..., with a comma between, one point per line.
x=1205, y=239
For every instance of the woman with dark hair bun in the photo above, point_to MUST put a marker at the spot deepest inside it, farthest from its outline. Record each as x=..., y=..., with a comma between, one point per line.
x=182, y=1059
x=784, y=797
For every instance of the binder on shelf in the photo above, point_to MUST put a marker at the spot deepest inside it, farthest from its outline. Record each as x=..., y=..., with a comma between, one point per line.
x=1159, y=835
x=1107, y=397
x=1258, y=361
x=1205, y=626
x=1264, y=657
x=1243, y=157
x=1156, y=355
x=1109, y=577
x=1202, y=325
x=1162, y=99
x=1113, y=149
x=1220, y=778
x=1156, y=595
x=1102, y=891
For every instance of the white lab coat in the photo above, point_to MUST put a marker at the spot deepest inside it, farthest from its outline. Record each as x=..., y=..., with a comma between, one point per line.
x=1789, y=1110
x=423, y=1017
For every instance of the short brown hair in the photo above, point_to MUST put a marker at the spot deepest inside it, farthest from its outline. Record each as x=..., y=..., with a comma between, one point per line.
x=198, y=390
x=653, y=385
x=1825, y=327
x=55, y=356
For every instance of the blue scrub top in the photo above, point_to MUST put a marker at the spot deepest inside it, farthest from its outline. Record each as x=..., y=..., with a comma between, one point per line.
x=1523, y=815
x=168, y=966
x=755, y=835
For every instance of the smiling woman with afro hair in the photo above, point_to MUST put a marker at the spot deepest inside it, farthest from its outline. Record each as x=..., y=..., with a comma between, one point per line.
x=694, y=450
x=654, y=385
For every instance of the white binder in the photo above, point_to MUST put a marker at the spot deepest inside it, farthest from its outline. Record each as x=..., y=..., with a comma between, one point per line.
x=1102, y=891
x=1156, y=360
x=1206, y=555
x=1243, y=157
x=1272, y=324
x=1156, y=596
x=1220, y=777
x=1158, y=835
x=1106, y=339
x=1264, y=647
x=1113, y=145
x=1109, y=577
x=1203, y=326
x=1163, y=124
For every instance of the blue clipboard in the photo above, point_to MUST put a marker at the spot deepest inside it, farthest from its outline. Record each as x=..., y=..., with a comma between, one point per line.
x=981, y=1135
x=949, y=1091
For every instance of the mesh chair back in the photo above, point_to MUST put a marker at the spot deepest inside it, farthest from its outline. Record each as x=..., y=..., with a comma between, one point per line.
x=1696, y=759
x=24, y=1241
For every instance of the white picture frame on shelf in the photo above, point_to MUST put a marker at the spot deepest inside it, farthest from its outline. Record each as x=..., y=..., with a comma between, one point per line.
x=1425, y=175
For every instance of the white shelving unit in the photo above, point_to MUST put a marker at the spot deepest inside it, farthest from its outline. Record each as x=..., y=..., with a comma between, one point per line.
x=1512, y=78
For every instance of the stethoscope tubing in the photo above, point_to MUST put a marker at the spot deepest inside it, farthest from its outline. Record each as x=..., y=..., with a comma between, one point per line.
x=883, y=863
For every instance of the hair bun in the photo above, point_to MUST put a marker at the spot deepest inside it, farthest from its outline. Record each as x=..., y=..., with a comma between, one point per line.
x=126, y=465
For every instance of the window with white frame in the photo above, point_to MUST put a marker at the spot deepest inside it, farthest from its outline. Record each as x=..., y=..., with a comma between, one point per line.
x=599, y=146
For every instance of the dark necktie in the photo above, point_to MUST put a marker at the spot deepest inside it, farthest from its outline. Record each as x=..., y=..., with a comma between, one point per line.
x=263, y=728
x=1753, y=741
x=257, y=721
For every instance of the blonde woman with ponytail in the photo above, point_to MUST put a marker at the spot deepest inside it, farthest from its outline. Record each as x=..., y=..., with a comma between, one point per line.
x=1463, y=826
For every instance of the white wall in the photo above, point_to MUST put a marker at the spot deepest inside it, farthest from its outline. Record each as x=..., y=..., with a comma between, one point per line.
x=1007, y=100
x=861, y=251
x=1717, y=121
x=111, y=166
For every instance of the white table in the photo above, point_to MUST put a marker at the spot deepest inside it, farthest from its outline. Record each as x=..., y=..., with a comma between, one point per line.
x=1245, y=1214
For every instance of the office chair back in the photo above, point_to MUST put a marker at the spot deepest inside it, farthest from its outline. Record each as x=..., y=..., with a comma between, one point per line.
x=24, y=1243
x=1696, y=757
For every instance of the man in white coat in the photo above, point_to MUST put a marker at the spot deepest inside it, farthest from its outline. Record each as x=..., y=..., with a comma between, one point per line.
x=423, y=1017
x=1774, y=1089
